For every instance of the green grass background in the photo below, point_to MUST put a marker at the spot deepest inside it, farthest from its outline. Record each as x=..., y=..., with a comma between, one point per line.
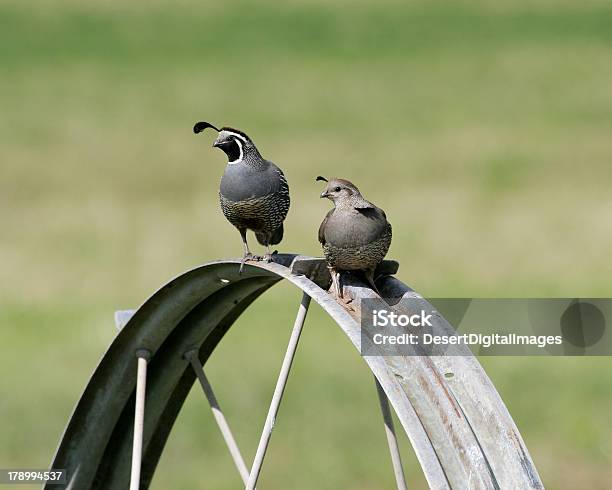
x=484, y=129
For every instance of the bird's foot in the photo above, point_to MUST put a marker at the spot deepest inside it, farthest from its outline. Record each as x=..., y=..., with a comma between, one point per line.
x=336, y=285
x=248, y=256
x=269, y=256
x=342, y=300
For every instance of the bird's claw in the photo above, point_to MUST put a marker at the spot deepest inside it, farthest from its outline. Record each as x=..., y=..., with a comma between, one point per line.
x=248, y=256
x=336, y=285
x=342, y=300
x=269, y=256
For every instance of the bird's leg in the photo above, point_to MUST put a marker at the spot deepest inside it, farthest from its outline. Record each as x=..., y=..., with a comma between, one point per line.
x=369, y=275
x=247, y=253
x=268, y=256
x=336, y=287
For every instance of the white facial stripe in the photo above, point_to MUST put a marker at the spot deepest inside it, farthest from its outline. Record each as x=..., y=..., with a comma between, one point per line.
x=236, y=135
x=241, y=153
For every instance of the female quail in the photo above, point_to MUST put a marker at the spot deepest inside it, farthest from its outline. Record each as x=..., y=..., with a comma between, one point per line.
x=355, y=234
x=254, y=193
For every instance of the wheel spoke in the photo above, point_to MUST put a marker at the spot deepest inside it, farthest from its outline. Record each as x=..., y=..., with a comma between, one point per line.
x=219, y=417
x=141, y=384
x=391, y=438
x=278, y=392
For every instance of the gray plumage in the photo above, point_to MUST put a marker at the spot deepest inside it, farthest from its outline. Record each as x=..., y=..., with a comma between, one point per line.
x=254, y=193
x=355, y=234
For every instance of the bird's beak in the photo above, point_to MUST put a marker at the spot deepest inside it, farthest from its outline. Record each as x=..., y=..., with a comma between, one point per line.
x=324, y=194
x=217, y=143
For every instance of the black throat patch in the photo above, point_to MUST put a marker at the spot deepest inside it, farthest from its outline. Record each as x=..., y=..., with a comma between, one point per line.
x=231, y=149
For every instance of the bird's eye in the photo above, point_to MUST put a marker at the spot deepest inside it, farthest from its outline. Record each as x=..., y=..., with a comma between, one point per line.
x=337, y=189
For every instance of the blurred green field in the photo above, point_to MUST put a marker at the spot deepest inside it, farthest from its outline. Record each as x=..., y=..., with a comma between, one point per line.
x=482, y=128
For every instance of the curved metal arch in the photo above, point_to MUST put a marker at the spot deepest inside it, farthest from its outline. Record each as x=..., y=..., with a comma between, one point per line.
x=460, y=429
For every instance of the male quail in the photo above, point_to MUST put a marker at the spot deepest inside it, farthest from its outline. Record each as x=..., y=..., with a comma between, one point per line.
x=254, y=193
x=355, y=234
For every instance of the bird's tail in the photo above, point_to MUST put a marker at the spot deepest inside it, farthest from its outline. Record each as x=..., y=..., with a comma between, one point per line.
x=272, y=239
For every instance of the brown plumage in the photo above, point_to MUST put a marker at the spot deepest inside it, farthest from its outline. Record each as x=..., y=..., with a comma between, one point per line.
x=355, y=234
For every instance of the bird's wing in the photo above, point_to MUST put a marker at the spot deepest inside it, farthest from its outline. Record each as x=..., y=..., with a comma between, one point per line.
x=284, y=185
x=377, y=219
x=276, y=178
x=322, y=227
x=372, y=212
x=363, y=204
